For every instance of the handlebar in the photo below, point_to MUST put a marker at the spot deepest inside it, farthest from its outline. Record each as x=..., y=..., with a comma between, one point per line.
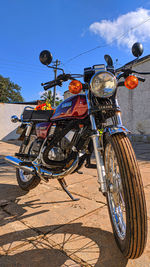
x=51, y=84
x=65, y=77
x=126, y=72
x=141, y=79
x=61, y=78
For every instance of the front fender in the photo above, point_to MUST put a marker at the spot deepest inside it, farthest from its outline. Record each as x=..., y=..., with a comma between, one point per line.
x=111, y=130
x=115, y=129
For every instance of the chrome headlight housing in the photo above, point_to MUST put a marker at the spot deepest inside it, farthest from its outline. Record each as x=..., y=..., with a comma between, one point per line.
x=103, y=84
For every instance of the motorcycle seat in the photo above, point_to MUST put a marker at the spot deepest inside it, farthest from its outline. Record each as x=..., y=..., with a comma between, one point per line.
x=37, y=115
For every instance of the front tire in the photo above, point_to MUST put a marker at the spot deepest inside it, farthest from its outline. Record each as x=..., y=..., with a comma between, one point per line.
x=125, y=198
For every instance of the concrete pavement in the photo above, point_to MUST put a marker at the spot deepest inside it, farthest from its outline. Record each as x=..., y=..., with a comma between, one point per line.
x=44, y=228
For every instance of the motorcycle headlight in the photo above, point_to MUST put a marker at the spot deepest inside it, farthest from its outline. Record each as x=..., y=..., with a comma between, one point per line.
x=103, y=84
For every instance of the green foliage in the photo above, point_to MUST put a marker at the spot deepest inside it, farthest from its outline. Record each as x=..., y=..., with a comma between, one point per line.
x=9, y=91
x=58, y=101
x=47, y=96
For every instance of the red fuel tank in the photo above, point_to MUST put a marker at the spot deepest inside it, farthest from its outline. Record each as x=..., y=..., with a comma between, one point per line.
x=74, y=107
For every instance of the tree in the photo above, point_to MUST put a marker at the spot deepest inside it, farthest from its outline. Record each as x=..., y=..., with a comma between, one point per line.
x=47, y=96
x=9, y=91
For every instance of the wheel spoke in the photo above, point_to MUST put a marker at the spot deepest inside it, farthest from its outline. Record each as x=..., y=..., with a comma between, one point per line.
x=25, y=177
x=115, y=194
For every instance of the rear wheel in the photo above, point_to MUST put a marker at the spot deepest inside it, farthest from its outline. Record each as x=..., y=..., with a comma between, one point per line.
x=25, y=180
x=125, y=198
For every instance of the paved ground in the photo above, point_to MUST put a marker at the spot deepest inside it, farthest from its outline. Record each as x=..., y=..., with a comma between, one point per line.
x=44, y=228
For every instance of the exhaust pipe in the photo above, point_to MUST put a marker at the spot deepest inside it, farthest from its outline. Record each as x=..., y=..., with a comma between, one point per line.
x=35, y=169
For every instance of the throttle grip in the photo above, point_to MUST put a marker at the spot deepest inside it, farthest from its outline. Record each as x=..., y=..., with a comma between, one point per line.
x=51, y=84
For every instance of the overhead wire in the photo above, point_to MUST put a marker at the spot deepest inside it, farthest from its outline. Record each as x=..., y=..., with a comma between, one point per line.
x=36, y=69
x=3, y=67
x=19, y=63
x=105, y=45
x=22, y=68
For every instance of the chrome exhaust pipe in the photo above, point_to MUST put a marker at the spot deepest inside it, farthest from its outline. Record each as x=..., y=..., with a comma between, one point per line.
x=15, y=162
x=35, y=169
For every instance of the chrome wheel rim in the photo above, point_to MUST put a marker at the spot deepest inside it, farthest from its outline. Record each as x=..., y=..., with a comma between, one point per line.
x=25, y=177
x=115, y=192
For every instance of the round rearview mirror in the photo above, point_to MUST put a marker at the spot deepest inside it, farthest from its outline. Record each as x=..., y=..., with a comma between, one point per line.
x=108, y=59
x=45, y=57
x=137, y=49
x=14, y=119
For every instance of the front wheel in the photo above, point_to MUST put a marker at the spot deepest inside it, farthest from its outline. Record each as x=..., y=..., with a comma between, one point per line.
x=125, y=198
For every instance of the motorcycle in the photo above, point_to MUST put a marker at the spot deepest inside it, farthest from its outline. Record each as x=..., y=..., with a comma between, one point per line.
x=57, y=142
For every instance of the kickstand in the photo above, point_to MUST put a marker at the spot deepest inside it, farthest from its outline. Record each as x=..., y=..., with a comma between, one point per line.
x=64, y=187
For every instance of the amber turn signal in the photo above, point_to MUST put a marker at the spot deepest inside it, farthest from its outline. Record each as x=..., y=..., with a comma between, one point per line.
x=131, y=82
x=75, y=87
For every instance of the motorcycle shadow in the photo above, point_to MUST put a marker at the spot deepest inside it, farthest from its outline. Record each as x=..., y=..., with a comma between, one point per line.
x=54, y=245
x=10, y=196
x=94, y=246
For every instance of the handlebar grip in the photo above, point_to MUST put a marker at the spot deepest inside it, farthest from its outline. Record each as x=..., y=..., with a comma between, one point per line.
x=51, y=84
x=141, y=79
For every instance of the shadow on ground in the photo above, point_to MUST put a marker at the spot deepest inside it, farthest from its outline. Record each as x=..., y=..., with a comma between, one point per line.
x=10, y=195
x=36, y=244
x=39, y=250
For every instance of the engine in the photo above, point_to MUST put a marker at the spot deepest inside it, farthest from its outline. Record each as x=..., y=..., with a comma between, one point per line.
x=54, y=156
x=63, y=148
x=35, y=145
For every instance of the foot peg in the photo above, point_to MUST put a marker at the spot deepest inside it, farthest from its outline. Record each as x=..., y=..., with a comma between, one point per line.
x=25, y=156
x=64, y=187
x=26, y=163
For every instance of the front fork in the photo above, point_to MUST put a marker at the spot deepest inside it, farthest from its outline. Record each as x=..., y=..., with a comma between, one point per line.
x=97, y=150
x=98, y=156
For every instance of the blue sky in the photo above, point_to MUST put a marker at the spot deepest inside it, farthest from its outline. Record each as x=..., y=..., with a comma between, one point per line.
x=67, y=28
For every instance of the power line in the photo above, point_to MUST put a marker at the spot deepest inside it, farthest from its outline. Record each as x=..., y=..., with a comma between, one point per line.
x=105, y=45
x=19, y=63
x=16, y=69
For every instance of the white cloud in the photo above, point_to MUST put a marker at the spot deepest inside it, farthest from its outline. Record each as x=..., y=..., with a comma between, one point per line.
x=111, y=30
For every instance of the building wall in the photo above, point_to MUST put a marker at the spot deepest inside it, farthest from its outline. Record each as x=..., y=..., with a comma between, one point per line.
x=7, y=128
x=135, y=104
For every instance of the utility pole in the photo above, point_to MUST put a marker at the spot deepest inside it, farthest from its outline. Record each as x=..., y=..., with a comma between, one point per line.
x=56, y=64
